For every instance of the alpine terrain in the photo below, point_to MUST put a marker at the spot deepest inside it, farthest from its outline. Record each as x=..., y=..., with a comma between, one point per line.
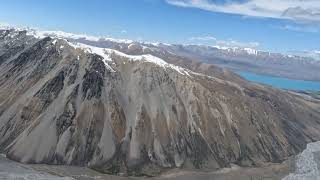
x=134, y=110
x=233, y=58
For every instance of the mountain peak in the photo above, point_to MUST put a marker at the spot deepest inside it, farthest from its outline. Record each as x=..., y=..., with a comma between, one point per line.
x=89, y=38
x=134, y=113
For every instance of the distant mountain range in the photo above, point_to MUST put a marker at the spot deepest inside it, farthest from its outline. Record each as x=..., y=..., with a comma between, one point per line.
x=236, y=59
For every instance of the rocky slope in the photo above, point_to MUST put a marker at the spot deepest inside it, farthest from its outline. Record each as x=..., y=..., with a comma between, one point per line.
x=67, y=103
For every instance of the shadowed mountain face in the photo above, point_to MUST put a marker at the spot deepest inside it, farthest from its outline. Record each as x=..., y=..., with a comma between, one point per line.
x=65, y=103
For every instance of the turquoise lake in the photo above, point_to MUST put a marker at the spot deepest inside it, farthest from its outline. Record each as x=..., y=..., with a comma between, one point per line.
x=283, y=83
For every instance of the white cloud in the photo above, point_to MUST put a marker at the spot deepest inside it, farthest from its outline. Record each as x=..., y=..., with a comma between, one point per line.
x=297, y=28
x=297, y=10
x=234, y=43
x=203, y=38
x=225, y=43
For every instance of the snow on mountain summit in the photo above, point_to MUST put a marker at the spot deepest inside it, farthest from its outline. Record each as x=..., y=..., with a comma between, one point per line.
x=107, y=53
x=65, y=35
x=249, y=51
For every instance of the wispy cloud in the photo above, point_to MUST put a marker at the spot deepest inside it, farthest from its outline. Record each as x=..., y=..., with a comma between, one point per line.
x=225, y=43
x=297, y=10
x=298, y=28
x=234, y=43
x=203, y=38
x=123, y=31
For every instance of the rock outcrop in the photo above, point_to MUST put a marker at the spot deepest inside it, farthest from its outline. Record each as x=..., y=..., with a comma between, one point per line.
x=65, y=103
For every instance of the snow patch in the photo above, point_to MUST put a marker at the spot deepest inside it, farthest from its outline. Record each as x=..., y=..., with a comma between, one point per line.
x=221, y=47
x=151, y=59
x=13, y=34
x=251, y=51
x=65, y=35
x=157, y=44
x=131, y=46
x=54, y=42
x=94, y=50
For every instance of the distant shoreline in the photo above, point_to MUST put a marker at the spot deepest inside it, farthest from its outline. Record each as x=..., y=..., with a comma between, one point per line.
x=280, y=82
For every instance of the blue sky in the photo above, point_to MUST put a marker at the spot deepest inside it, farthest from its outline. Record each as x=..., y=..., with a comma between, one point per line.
x=279, y=26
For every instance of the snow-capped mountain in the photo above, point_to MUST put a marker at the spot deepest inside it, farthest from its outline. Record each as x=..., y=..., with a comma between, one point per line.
x=139, y=109
x=296, y=66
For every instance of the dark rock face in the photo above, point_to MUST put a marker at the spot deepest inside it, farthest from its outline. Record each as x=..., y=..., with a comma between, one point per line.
x=63, y=105
x=51, y=89
x=32, y=54
x=11, y=47
x=93, y=79
x=65, y=120
x=92, y=85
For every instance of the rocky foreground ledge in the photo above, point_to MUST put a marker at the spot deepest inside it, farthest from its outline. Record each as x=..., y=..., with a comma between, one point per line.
x=10, y=170
x=302, y=167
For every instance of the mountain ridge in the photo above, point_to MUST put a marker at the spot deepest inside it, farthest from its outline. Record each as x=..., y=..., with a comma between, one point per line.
x=75, y=36
x=63, y=104
x=232, y=58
